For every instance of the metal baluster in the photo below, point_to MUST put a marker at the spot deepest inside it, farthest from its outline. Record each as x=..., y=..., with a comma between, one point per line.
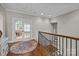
x=66, y=46
x=52, y=48
x=76, y=47
x=62, y=46
x=59, y=46
x=70, y=47
x=54, y=45
x=38, y=37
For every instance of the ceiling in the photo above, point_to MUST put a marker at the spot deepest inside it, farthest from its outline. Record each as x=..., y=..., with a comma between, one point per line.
x=44, y=9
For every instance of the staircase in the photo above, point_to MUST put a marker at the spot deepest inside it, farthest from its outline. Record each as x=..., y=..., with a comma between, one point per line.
x=58, y=45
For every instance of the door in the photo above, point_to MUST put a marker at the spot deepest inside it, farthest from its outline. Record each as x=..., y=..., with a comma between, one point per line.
x=21, y=29
x=54, y=27
x=54, y=38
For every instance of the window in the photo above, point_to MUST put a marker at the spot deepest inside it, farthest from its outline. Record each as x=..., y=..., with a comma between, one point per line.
x=27, y=27
x=19, y=25
x=22, y=29
x=27, y=30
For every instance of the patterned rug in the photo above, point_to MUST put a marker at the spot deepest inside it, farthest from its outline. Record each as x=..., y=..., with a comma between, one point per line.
x=23, y=47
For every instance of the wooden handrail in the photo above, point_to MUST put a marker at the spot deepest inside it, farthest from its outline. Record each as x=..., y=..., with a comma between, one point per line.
x=60, y=35
x=44, y=37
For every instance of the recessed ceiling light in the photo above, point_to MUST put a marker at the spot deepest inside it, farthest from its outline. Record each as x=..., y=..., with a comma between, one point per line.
x=42, y=13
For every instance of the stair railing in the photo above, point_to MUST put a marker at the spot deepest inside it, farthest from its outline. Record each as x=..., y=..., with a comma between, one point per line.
x=59, y=45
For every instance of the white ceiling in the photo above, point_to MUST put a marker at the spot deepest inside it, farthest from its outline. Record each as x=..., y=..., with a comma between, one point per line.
x=49, y=9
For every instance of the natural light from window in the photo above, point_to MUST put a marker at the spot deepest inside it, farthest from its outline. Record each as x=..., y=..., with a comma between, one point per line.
x=22, y=30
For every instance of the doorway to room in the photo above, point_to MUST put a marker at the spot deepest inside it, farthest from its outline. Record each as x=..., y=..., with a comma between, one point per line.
x=22, y=30
x=54, y=27
x=54, y=31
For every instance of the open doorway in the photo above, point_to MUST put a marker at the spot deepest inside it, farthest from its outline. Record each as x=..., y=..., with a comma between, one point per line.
x=54, y=31
x=54, y=27
x=22, y=30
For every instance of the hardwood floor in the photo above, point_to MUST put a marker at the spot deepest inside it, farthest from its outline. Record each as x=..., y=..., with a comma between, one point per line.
x=39, y=51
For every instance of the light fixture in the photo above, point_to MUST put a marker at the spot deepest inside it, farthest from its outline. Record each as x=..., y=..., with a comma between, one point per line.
x=42, y=13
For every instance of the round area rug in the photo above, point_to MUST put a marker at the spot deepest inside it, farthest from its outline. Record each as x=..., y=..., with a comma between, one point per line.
x=23, y=47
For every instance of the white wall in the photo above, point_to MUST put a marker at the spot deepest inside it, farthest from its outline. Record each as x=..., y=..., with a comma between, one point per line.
x=41, y=24
x=2, y=20
x=68, y=24
x=37, y=24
